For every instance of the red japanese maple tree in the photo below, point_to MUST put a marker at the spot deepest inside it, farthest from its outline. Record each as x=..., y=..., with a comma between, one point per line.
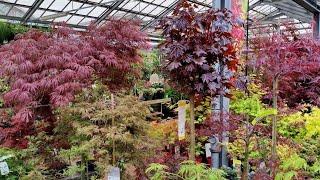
x=46, y=71
x=114, y=50
x=195, y=45
x=289, y=65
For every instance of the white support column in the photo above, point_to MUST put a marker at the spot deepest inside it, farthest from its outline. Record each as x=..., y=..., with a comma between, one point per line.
x=227, y=4
x=216, y=4
x=220, y=4
x=221, y=103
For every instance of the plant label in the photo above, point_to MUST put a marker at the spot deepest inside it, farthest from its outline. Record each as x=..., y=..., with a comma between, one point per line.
x=154, y=79
x=207, y=147
x=182, y=120
x=114, y=174
x=4, y=168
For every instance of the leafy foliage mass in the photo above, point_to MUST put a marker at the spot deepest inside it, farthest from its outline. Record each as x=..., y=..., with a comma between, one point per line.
x=189, y=170
x=295, y=62
x=8, y=31
x=304, y=130
x=46, y=70
x=91, y=121
x=194, y=44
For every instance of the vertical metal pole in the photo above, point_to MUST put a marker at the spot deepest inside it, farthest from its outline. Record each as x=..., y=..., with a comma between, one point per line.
x=215, y=157
x=216, y=4
x=221, y=103
x=316, y=28
x=225, y=107
x=214, y=144
x=227, y=4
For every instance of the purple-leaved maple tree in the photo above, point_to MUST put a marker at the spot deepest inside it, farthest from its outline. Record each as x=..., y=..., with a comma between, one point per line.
x=195, y=44
x=286, y=63
x=47, y=69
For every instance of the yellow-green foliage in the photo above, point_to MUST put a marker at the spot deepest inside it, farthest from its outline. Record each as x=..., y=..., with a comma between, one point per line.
x=250, y=105
x=92, y=117
x=290, y=165
x=4, y=87
x=306, y=125
x=203, y=110
x=189, y=170
x=151, y=64
x=303, y=129
x=253, y=114
x=157, y=171
x=23, y=163
x=165, y=132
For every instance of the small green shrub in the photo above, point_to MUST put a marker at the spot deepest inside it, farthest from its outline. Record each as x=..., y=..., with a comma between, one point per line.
x=189, y=170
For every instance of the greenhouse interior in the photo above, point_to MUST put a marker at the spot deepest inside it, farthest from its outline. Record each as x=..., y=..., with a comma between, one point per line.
x=159, y=89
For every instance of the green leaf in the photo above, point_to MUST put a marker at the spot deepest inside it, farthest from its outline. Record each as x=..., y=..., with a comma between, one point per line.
x=290, y=175
x=6, y=157
x=316, y=167
x=295, y=162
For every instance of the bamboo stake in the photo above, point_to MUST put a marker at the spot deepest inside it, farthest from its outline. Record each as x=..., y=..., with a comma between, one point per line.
x=274, y=124
x=113, y=141
x=192, y=131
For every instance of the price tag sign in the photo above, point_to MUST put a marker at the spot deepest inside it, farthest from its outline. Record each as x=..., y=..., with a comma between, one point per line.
x=208, y=152
x=154, y=78
x=182, y=119
x=4, y=168
x=114, y=174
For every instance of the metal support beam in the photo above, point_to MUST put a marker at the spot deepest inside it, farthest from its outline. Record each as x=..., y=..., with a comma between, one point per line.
x=258, y=12
x=270, y=16
x=292, y=6
x=169, y=9
x=161, y=15
x=30, y=12
x=313, y=7
x=39, y=22
x=109, y=11
x=310, y=5
x=44, y=9
x=220, y=104
x=316, y=28
x=258, y=3
x=293, y=10
x=200, y=3
x=220, y=4
x=152, y=3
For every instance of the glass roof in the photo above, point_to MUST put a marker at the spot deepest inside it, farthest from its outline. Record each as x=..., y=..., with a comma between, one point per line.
x=80, y=13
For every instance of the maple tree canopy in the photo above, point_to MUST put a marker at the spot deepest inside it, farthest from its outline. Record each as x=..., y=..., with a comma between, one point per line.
x=47, y=70
x=195, y=44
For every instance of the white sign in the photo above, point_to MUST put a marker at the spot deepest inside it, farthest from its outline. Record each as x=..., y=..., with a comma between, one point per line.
x=114, y=174
x=155, y=79
x=4, y=168
x=207, y=147
x=182, y=120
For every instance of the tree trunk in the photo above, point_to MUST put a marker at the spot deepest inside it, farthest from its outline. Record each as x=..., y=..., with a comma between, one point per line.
x=87, y=170
x=245, y=172
x=274, y=125
x=113, y=141
x=83, y=172
x=192, y=131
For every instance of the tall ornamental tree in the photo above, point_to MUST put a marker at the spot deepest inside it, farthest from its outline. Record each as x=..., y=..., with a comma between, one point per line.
x=195, y=43
x=113, y=52
x=46, y=71
x=282, y=58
